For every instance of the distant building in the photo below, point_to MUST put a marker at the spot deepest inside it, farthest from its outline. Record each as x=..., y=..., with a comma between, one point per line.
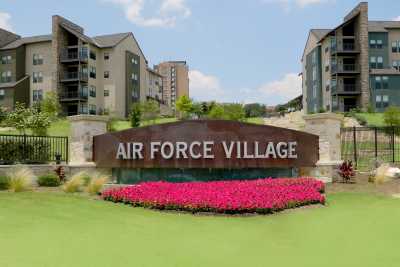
x=354, y=65
x=175, y=80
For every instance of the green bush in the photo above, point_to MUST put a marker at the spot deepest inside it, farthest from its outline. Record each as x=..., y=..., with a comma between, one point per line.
x=49, y=180
x=361, y=119
x=14, y=151
x=4, y=182
x=392, y=116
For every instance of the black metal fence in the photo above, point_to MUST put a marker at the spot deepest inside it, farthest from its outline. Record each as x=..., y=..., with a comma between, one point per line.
x=30, y=149
x=368, y=146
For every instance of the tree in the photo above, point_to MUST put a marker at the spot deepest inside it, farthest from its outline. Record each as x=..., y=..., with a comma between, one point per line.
x=39, y=122
x=197, y=109
x=184, y=105
x=254, y=110
x=150, y=110
x=392, y=116
x=135, y=115
x=217, y=112
x=50, y=105
x=234, y=112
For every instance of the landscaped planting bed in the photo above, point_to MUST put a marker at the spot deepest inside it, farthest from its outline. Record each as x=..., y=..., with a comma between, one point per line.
x=252, y=196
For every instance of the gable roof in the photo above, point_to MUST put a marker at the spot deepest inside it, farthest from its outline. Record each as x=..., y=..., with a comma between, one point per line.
x=110, y=40
x=27, y=40
x=320, y=33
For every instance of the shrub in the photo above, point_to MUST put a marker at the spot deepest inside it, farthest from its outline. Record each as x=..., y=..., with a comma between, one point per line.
x=20, y=178
x=380, y=174
x=96, y=183
x=4, y=182
x=392, y=116
x=135, y=115
x=13, y=151
x=75, y=183
x=49, y=180
x=346, y=171
x=254, y=196
x=59, y=171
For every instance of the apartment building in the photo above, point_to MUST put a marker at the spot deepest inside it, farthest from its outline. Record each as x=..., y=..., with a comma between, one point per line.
x=175, y=80
x=92, y=75
x=355, y=65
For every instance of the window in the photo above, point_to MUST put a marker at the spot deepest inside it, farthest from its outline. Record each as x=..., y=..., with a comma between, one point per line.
x=385, y=82
x=92, y=54
x=37, y=59
x=135, y=94
x=134, y=61
x=37, y=95
x=6, y=77
x=327, y=84
x=92, y=72
x=6, y=59
x=395, y=47
x=83, y=109
x=396, y=64
x=37, y=77
x=385, y=100
x=326, y=49
x=314, y=73
x=378, y=101
x=134, y=76
x=106, y=92
x=106, y=74
x=106, y=56
x=372, y=43
x=92, y=109
x=2, y=94
x=314, y=57
x=92, y=91
x=379, y=64
x=379, y=44
x=314, y=91
x=372, y=62
x=378, y=83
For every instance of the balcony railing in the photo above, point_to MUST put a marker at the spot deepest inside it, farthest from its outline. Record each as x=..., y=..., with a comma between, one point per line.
x=74, y=55
x=68, y=95
x=74, y=76
x=345, y=68
x=344, y=47
x=346, y=89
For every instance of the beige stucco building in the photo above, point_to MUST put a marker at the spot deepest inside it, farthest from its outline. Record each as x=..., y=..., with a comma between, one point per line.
x=92, y=75
x=175, y=80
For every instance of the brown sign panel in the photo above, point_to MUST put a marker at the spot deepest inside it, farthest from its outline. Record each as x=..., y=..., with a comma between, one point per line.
x=206, y=144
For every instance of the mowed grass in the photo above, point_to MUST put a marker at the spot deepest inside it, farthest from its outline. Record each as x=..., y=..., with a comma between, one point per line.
x=60, y=127
x=54, y=229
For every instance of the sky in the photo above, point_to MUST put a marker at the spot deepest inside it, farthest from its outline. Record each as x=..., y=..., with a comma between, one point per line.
x=241, y=51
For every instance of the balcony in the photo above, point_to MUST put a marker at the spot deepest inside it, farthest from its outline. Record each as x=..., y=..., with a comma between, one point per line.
x=73, y=76
x=345, y=69
x=345, y=48
x=74, y=95
x=74, y=56
x=346, y=89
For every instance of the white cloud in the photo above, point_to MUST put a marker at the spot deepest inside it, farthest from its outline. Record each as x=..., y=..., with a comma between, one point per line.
x=208, y=87
x=166, y=15
x=204, y=87
x=287, y=88
x=5, y=21
x=397, y=18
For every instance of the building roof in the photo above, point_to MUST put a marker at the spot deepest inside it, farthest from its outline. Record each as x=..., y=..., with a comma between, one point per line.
x=13, y=84
x=384, y=72
x=27, y=40
x=382, y=26
x=154, y=72
x=320, y=33
x=110, y=40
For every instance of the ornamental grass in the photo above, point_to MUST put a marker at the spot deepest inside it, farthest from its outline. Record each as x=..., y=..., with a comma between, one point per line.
x=248, y=196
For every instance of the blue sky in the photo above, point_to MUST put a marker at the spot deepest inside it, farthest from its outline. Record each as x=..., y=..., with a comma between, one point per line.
x=238, y=51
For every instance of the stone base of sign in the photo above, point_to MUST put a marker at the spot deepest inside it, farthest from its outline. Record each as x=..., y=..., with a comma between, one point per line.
x=327, y=126
x=83, y=128
x=326, y=172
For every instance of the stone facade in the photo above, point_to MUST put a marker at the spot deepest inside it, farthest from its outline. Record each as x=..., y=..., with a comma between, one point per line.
x=83, y=128
x=327, y=127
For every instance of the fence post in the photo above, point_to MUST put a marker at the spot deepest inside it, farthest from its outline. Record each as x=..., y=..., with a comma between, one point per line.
x=393, y=144
x=355, y=145
x=24, y=153
x=376, y=144
x=67, y=149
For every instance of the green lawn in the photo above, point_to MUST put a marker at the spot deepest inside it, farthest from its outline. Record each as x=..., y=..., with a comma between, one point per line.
x=373, y=119
x=53, y=229
x=123, y=125
x=257, y=120
x=58, y=128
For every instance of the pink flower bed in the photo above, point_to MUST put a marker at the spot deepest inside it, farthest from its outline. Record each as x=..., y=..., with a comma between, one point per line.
x=260, y=196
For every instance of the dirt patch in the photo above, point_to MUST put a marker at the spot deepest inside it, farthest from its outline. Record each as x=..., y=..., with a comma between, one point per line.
x=361, y=185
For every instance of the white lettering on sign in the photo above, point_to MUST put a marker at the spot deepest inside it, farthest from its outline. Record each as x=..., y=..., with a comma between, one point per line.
x=205, y=150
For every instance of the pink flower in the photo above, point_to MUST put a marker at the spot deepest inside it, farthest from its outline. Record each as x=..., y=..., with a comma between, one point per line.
x=261, y=196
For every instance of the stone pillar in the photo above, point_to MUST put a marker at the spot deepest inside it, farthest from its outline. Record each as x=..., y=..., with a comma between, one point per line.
x=83, y=128
x=327, y=127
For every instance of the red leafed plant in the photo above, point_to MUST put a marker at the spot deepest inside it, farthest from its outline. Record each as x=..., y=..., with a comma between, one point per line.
x=346, y=171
